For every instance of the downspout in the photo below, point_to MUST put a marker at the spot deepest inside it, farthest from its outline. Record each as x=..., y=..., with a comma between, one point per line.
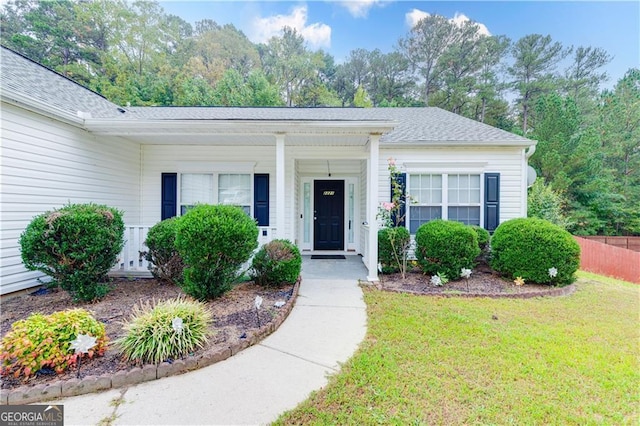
x=529, y=152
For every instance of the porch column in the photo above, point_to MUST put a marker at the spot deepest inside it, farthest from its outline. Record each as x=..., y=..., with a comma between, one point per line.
x=280, y=189
x=372, y=205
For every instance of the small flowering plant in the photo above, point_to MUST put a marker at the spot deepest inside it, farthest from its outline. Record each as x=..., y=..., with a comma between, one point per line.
x=465, y=273
x=391, y=214
x=439, y=279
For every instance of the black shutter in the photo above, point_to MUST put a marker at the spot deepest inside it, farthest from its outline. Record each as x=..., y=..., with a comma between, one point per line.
x=169, y=195
x=491, y=201
x=261, y=199
x=402, y=180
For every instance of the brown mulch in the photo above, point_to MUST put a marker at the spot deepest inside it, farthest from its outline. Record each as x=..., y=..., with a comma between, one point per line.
x=234, y=317
x=483, y=282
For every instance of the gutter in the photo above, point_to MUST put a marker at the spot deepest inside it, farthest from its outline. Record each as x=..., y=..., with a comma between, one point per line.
x=41, y=108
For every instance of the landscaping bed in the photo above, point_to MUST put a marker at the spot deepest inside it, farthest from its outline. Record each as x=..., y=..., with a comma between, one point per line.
x=236, y=323
x=483, y=282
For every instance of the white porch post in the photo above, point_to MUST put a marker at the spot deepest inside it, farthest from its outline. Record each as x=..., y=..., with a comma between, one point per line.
x=372, y=205
x=280, y=188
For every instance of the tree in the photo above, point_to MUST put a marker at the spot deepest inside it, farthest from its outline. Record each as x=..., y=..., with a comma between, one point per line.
x=235, y=90
x=424, y=47
x=361, y=98
x=389, y=78
x=583, y=77
x=492, y=51
x=288, y=63
x=533, y=71
x=619, y=129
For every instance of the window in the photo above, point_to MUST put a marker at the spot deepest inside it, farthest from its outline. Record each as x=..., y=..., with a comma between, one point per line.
x=426, y=195
x=445, y=196
x=234, y=189
x=464, y=199
x=195, y=188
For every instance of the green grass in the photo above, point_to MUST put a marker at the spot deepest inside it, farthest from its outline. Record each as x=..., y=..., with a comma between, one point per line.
x=425, y=360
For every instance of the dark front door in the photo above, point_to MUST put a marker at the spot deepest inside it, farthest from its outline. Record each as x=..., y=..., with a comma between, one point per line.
x=328, y=227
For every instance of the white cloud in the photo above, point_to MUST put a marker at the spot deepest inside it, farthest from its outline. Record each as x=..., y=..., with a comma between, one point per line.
x=459, y=19
x=415, y=15
x=360, y=8
x=317, y=35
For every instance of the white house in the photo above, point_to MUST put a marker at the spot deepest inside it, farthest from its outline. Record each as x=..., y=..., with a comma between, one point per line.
x=315, y=176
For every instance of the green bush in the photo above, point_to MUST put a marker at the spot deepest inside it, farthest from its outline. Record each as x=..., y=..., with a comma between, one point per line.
x=445, y=247
x=393, y=244
x=531, y=247
x=45, y=341
x=214, y=242
x=170, y=329
x=166, y=263
x=76, y=246
x=276, y=262
x=483, y=236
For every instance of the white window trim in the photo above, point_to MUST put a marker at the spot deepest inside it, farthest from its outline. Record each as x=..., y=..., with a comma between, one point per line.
x=444, y=205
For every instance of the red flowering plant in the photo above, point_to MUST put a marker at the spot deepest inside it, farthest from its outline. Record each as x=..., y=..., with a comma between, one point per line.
x=393, y=239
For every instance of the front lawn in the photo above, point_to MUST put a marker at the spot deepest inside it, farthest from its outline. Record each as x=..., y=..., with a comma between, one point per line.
x=426, y=360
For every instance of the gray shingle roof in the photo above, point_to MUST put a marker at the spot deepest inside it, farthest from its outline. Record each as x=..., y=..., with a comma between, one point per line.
x=42, y=84
x=414, y=125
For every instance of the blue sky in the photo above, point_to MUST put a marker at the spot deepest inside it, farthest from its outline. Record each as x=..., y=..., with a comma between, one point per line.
x=341, y=26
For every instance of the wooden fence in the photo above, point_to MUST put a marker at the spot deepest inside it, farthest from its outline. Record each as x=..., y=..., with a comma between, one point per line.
x=609, y=260
x=630, y=243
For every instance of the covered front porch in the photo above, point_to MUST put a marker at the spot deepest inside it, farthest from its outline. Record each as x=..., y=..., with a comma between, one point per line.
x=297, y=158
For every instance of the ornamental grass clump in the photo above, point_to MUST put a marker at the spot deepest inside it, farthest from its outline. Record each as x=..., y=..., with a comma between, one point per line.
x=277, y=262
x=166, y=330
x=166, y=263
x=76, y=246
x=536, y=251
x=444, y=246
x=45, y=341
x=214, y=241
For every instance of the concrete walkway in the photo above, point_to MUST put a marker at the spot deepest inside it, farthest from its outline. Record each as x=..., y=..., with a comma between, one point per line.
x=323, y=330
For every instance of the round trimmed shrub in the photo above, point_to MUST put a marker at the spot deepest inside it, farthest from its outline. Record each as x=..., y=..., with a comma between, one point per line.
x=277, y=262
x=167, y=330
x=531, y=247
x=445, y=247
x=214, y=241
x=166, y=263
x=393, y=244
x=44, y=341
x=76, y=246
x=483, y=236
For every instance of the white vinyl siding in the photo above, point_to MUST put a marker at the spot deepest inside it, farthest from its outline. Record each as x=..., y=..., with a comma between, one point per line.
x=508, y=161
x=47, y=164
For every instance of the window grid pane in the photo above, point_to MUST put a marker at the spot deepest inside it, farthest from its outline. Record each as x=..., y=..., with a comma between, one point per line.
x=463, y=189
x=196, y=188
x=425, y=189
x=466, y=215
x=422, y=214
x=235, y=189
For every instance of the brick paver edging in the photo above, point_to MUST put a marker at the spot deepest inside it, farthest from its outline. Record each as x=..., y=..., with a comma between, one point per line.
x=552, y=292
x=89, y=384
